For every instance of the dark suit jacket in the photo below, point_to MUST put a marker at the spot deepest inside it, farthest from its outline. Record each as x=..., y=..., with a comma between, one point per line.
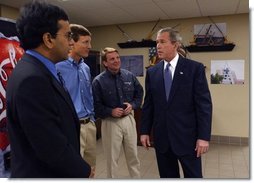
x=186, y=116
x=43, y=125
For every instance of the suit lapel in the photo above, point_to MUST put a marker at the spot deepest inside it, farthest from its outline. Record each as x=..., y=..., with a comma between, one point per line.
x=65, y=95
x=159, y=79
x=179, y=72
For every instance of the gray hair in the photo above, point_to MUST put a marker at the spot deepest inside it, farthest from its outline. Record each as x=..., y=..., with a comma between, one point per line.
x=173, y=34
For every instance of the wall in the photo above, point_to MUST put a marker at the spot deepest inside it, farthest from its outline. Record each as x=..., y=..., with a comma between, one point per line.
x=231, y=102
x=8, y=12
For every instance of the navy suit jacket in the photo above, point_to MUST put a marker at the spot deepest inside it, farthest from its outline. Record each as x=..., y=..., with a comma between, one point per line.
x=42, y=124
x=186, y=116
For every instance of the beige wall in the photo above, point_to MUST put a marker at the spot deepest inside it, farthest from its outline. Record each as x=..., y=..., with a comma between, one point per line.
x=230, y=102
x=8, y=12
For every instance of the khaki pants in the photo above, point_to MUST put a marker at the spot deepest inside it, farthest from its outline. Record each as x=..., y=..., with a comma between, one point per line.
x=88, y=143
x=115, y=133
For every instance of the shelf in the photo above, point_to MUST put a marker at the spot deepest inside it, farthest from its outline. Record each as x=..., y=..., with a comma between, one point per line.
x=225, y=47
x=136, y=44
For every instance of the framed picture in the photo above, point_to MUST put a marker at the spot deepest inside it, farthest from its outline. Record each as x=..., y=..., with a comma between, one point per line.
x=133, y=63
x=227, y=72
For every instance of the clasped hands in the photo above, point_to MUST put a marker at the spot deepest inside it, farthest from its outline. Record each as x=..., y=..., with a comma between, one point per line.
x=120, y=112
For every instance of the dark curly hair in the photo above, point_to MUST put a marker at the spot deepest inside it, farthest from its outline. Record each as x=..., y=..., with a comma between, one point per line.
x=37, y=18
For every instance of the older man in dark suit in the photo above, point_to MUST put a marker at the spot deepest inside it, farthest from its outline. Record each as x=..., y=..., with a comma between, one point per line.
x=178, y=106
x=42, y=122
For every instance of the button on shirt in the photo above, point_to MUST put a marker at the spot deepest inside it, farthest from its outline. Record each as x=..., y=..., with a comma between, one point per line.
x=112, y=90
x=77, y=79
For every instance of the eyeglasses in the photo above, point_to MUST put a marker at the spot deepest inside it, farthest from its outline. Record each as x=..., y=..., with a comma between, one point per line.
x=68, y=35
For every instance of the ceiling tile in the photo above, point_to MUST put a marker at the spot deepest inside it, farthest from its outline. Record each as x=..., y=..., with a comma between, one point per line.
x=108, y=12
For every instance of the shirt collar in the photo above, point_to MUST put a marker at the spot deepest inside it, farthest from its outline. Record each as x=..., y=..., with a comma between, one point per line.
x=172, y=62
x=72, y=61
x=113, y=75
x=45, y=61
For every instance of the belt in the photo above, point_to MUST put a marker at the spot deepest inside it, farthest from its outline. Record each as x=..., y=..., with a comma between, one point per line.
x=84, y=120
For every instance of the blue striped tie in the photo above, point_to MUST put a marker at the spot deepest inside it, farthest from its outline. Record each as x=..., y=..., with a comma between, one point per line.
x=167, y=80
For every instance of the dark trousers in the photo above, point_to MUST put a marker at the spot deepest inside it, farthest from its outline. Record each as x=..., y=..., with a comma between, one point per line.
x=169, y=167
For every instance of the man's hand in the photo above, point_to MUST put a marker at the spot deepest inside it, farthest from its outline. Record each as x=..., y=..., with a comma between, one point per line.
x=202, y=147
x=145, y=141
x=117, y=112
x=128, y=109
x=92, y=172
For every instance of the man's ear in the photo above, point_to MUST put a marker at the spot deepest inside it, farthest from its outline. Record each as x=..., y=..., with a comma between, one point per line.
x=48, y=40
x=176, y=45
x=105, y=63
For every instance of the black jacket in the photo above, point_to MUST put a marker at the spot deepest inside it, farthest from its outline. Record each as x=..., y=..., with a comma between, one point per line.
x=186, y=116
x=43, y=125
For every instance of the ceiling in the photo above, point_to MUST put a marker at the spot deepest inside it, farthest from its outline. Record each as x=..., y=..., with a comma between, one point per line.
x=109, y=12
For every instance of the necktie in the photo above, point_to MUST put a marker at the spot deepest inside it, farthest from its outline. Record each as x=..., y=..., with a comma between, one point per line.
x=167, y=80
x=60, y=77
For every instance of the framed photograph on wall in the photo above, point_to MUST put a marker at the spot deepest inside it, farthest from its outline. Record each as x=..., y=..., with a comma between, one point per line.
x=227, y=72
x=133, y=63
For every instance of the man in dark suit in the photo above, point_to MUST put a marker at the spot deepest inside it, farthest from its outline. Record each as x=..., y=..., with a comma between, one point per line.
x=42, y=123
x=179, y=109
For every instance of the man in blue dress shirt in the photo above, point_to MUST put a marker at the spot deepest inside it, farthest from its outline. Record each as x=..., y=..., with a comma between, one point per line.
x=77, y=80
